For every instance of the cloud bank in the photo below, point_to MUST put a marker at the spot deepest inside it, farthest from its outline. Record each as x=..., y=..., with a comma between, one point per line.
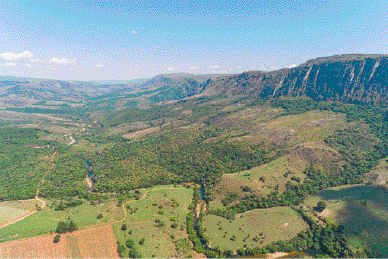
x=10, y=56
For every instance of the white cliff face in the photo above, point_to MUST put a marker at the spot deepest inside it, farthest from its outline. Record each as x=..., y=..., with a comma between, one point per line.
x=374, y=69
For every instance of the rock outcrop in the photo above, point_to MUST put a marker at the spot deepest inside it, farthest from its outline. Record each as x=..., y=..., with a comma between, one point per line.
x=350, y=78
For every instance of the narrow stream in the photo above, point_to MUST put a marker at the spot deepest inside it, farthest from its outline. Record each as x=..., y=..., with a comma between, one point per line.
x=89, y=167
x=202, y=192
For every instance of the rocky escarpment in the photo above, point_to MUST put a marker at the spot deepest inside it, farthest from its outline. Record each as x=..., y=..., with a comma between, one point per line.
x=350, y=78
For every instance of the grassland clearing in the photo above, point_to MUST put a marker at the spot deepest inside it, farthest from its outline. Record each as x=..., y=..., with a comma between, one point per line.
x=361, y=209
x=265, y=125
x=261, y=180
x=46, y=220
x=255, y=228
x=13, y=210
x=141, y=133
x=22, y=204
x=152, y=218
x=379, y=174
x=8, y=214
x=97, y=242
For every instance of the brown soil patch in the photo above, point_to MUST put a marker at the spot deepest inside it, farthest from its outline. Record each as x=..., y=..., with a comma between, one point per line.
x=97, y=242
x=276, y=255
x=141, y=133
x=326, y=213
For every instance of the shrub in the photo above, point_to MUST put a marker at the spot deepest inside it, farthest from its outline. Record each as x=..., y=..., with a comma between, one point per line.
x=57, y=238
x=174, y=225
x=130, y=243
x=246, y=189
x=141, y=242
x=124, y=227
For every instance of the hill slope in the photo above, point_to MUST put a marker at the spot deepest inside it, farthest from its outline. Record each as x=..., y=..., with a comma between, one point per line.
x=350, y=78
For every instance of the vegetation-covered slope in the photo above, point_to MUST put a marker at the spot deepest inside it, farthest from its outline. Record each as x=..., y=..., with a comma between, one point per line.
x=349, y=78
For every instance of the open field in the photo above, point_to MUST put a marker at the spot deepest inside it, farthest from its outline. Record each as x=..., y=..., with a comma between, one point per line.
x=162, y=204
x=42, y=222
x=275, y=174
x=255, y=228
x=22, y=204
x=264, y=125
x=97, y=242
x=8, y=214
x=379, y=174
x=362, y=209
x=13, y=210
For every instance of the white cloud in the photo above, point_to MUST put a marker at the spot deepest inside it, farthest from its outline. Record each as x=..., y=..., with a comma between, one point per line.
x=10, y=64
x=134, y=32
x=99, y=65
x=28, y=65
x=194, y=68
x=215, y=67
x=62, y=61
x=292, y=66
x=9, y=56
x=170, y=69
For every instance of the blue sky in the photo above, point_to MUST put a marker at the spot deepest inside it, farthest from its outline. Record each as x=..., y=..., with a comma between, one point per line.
x=121, y=40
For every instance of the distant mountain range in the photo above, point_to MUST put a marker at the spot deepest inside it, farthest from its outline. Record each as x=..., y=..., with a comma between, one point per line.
x=353, y=78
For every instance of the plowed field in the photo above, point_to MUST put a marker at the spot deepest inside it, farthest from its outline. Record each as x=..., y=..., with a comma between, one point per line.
x=97, y=242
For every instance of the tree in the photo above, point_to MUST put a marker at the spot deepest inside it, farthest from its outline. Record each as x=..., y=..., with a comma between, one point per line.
x=321, y=205
x=57, y=238
x=120, y=249
x=100, y=216
x=130, y=243
x=124, y=227
x=61, y=228
x=228, y=253
x=72, y=227
x=134, y=254
x=246, y=189
x=141, y=242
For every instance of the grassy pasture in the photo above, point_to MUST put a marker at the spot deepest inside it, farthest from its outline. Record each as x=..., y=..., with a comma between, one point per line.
x=12, y=210
x=22, y=204
x=274, y=173
x=8, y=214
x=362, y=209
x=265, y=125
x=379, y=174
x=311, y=126
x=141, y=221
x=42, y=222
x=254, y=228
